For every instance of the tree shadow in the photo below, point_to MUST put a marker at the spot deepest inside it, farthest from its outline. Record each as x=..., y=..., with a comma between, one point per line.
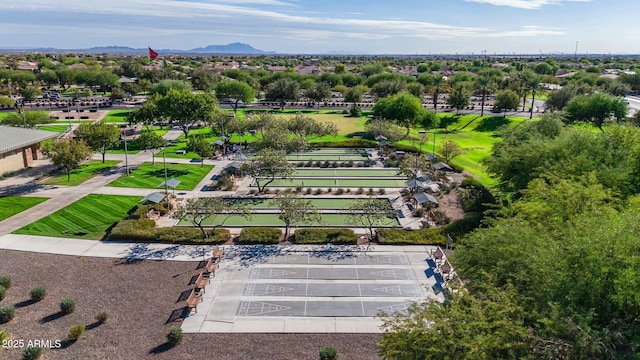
x=492, y=123
x=24, y=303
x=160, y=349
x=51, y=317
x=93, y=325
x=446, y=121
x=361, y=134
x=170, y=173
x=65, y=344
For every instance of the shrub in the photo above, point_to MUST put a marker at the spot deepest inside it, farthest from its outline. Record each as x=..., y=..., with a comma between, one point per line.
x=38, y=293
x=350, y=143
x=174, y=336
x=308, y=191
x=418, y=212
x=4, y=336
x=67, y=306
x=340, y=191
x=350, y=163
x=298, y=189
x=259, y=235
x=329, y=190
x=370, y=192
x=308, y=163
x=360, y=191
x=440, y=218
x=325, y=164
x=3, y=292
x=325, y=236
x=7, y=313
x=318, y=191
x=432, y=236
x=143, y=231
x=381, y=191
x=76, y=331
x=328, y=353
x=101, y=318
x=31, y=353
x=5, y=282
x=300, y=164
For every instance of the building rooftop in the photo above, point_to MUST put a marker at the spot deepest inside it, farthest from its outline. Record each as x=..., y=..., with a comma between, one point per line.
x=12, y=138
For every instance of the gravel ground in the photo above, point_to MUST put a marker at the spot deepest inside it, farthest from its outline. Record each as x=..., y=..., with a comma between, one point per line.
x=143, y=299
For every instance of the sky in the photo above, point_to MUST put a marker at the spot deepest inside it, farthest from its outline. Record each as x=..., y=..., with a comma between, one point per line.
x=329, y=26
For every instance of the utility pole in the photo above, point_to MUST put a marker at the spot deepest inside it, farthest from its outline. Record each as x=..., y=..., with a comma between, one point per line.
x=126, y=157
x=166, y=186
x=575, y=55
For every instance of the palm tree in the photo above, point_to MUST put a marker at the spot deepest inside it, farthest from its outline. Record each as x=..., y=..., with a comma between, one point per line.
x=437, y=84
x=484, y=84
x=533, y=84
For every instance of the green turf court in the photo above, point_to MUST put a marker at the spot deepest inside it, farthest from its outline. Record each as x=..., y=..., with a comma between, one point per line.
x=331, y=151
x=81, y=174
x=337, y=183
x=150, y=176
x=87, y=218
x=327, y=157
x=323, y=204
x=11, y=205
x=54, y=128
x=116, y=116
x=357, y=172
x=328, y=220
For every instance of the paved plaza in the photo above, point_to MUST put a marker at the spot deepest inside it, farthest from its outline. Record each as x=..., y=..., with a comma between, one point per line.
x=320, y=289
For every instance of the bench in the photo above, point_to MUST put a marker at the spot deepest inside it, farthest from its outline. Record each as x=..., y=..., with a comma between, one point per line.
x=181, y=152
x=153, y=214
x=193, y=300
x=217, y=253
x=202, y=281
x=211, y=268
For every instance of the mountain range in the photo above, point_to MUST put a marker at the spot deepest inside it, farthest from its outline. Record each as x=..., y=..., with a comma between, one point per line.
x=233, y=48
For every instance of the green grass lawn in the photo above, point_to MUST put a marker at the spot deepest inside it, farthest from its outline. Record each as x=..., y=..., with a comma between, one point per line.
x=338, y=183
x=328, y=220
x=11, y=205
x=149, y=176
x=81, y=174
x=54, y=128
x=4, y=114
x=87, y=218
x=116, y=116
x=357, y=172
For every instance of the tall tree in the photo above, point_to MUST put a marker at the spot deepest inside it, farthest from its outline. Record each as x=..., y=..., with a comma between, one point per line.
x=186, y=109
x=449, y=149
x=484, y=84
x=533, y=84
x=596, y=108
x=458, y=98
x=405, y=109
x=355, y=94
x=199, y=145
x=214, y=209
x=67, y=153
x=506, y=100
x=268, y=165
x=150, y=140
x=295, y=210
x=320, y=93
x=235, y=91
x=283, y=90
x=204, y=80
x=435, y=85
x=99, y=137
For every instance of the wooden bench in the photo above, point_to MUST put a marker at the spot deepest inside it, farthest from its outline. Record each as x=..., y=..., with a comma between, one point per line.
x=202, y=281
x=193, y=300
x=217, y=253
x=211, y=268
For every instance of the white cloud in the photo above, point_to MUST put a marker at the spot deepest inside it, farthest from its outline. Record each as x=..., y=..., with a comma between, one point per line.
x=525, y=4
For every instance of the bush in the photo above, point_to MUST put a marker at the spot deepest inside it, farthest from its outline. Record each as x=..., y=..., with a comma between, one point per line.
x=381, y=191
x=329, y=190
x=440, y=218
x=360, y=191
x=67, y=306
x=7, y=313
x=174, y=336
x=475, y=197
x=418, y=212
x=31, y=353
x=4, y=336
x=3, y=292
x=433, y=236
x=325, y=236
x=38, y=293
x=259, y=235
x=5, y=282
x=101, y=318
x=370, y=192
x=328, y=353
x=298, y=189
x=340, y=191
x=350, y=143
x=318, y=191
x=144, y=230
x=76, y=331
x=308, y=191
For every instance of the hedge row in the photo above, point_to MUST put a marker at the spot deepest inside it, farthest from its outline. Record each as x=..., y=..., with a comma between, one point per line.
x=259, y=235
x=144, y=230
x=325, y=236
x=432, y=236
x=350, y=143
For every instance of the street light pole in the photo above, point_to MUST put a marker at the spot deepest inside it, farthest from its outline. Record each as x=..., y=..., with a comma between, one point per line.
x=126, y=157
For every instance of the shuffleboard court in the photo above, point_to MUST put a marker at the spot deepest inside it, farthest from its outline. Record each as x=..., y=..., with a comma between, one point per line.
x=332, y=151
x=346, y=173
x=327, y=157
x=338, y=203
x=328, y=220
x=336, y=183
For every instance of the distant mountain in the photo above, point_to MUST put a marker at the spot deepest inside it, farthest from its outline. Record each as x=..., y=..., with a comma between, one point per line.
x=234, y=48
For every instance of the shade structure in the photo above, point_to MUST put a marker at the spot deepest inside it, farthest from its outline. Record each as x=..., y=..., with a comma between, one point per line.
x=172, y=183
x=422, y=198
x=155, y=197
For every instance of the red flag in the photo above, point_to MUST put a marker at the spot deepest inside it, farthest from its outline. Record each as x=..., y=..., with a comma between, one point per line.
x=152, y=54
